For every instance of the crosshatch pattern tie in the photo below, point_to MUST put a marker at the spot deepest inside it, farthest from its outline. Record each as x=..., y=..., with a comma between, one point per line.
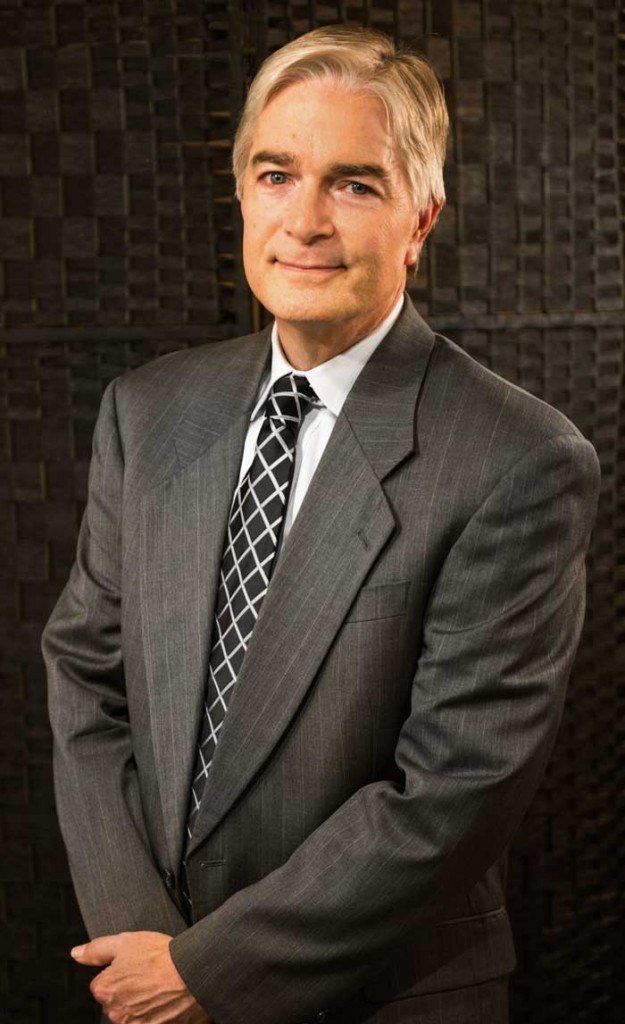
x=254, y=529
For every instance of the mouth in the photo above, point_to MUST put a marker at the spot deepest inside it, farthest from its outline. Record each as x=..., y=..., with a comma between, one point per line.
x=315, y=269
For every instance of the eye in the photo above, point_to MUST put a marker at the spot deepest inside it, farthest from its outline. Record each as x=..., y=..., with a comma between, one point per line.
x=266, y=173
x=360, y=184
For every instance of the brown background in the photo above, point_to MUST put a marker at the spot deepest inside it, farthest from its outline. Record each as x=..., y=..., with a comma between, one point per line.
x=120, y=240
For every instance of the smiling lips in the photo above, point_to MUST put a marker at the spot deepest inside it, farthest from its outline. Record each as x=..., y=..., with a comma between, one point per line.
x=309, y=268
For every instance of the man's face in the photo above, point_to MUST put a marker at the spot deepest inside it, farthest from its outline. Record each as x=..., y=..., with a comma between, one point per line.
x=312, y=198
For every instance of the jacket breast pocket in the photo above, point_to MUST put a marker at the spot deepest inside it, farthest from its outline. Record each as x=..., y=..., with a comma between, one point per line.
x=379, y=601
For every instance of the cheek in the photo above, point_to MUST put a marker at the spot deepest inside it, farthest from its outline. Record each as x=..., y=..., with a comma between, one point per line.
x=374, y=239
x=250, y=228
x=377, y=254
x=259, y=231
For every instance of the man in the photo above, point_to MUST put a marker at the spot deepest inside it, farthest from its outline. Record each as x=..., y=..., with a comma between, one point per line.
x=312, y=655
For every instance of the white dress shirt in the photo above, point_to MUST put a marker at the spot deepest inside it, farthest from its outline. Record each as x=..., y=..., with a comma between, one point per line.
x=331, y=381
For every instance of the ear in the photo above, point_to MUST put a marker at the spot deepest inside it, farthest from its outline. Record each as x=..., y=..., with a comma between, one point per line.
x=423, y=223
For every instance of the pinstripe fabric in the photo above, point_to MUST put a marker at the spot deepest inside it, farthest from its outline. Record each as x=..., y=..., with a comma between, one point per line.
x=485, y=1003
x=397, y=704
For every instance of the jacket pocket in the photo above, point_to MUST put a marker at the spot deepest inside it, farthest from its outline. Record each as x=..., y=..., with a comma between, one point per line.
x=451, y=954
x=379, y=601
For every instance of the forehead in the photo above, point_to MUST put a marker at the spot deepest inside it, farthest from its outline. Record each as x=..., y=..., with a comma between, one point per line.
x=323, y=122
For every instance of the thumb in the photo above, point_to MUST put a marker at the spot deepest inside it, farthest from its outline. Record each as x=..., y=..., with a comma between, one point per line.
x=98, y=952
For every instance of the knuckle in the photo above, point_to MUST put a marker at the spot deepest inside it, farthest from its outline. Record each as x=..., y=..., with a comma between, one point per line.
x=98, y=990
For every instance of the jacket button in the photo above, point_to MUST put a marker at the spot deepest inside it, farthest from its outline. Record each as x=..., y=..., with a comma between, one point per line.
x=170, y=879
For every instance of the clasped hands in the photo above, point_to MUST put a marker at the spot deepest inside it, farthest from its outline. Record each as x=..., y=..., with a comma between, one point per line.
x=141, y=984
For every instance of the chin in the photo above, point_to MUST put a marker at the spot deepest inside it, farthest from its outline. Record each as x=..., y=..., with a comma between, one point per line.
x=305, y=303
x=307, y=309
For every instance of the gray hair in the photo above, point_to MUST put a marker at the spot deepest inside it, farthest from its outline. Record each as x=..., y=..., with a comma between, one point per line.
x=361, y=58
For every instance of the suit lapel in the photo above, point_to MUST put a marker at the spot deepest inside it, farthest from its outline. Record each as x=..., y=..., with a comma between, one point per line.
x=183, y=526
x=342, y=526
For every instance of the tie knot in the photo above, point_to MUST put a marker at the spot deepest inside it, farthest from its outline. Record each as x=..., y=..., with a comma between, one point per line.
x=289, y=400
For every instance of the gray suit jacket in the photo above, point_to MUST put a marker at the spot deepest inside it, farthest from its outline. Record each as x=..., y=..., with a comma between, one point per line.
x=398, y=701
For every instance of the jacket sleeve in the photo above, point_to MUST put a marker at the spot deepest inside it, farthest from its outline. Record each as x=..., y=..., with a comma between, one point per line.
x=95, y=779
x=500, y=634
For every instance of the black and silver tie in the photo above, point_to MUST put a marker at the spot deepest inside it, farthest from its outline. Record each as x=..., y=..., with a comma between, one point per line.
x=254, y=529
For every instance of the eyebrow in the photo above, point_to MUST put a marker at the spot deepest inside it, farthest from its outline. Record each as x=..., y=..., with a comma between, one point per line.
x=338, y=170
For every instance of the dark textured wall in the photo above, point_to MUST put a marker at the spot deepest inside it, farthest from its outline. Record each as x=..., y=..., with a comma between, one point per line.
x=119, y=240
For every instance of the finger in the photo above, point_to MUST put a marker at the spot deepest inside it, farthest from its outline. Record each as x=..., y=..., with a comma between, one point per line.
x=99, y=987
x=97, y=952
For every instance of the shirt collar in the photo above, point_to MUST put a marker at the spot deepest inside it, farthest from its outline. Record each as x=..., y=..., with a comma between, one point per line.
x=333, y=379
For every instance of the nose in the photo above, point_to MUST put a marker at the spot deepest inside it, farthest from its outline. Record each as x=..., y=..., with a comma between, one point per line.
x=306, y=214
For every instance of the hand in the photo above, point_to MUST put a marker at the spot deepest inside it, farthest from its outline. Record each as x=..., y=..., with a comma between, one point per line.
x=141, y=985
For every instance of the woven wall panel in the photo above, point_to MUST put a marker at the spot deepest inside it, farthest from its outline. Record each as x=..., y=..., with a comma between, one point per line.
x=120, y=240
x=116, y=204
